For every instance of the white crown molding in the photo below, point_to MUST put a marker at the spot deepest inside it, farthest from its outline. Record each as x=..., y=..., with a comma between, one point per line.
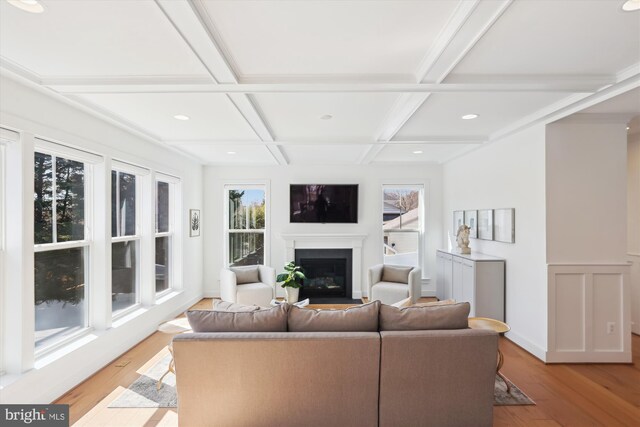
x=18, y=70
x=595, y=118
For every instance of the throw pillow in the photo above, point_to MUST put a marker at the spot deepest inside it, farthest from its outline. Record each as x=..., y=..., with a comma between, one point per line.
x=392, y=273
x=249, y=274
x=219, y=305
x=416, y=318
x=269, y=320
x=361, y=318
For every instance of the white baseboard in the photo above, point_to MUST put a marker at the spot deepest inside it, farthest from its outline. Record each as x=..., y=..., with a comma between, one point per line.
x=589, y=357
x=211, y=294
x=527, y=345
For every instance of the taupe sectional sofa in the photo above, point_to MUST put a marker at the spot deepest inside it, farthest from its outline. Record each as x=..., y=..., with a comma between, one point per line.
x=385, y=377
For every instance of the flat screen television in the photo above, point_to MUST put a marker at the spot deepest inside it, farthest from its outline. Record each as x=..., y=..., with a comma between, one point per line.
x=323, y=203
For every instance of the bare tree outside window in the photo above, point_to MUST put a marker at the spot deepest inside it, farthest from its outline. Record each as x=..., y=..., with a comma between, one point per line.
x=401, y=225
x=246, y=225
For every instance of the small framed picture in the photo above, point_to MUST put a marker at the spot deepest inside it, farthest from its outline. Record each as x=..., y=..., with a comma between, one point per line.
x=194, y=222
x=504, y=229
x=471, y=220
x=458, y=220
x=485, y=224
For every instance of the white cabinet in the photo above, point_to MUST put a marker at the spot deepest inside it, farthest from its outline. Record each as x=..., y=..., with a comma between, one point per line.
x=475, y=278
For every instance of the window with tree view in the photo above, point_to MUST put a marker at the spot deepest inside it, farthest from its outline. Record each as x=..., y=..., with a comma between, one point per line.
x=401, y=224
x=125, y=242
x=246, y=226
x=61, y=248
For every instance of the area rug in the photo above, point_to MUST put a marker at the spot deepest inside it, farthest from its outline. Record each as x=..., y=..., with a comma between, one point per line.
x=144, y=394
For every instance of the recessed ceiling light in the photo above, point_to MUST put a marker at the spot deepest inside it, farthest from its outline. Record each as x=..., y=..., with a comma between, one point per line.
x=326, y=117
x=32, y=6
x=631, y=5
x=231, y=152
x=181, y=117
x=417, y=152
x=469, y=116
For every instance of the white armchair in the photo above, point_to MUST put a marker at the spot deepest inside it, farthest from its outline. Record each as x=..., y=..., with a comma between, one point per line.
x=392, y=283
x=250, y=285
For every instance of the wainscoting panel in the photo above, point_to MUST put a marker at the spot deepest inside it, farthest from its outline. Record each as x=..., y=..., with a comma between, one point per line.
x=570, y=324
x=589, y=313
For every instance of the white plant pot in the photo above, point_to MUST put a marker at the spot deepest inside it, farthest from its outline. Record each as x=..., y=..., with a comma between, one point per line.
x=292, y=294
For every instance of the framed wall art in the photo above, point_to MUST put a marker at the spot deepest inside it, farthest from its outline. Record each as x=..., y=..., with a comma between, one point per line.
x=485, y=224
x=504, y=226
x=471, y=220
x=458, y=220
x=194, y=222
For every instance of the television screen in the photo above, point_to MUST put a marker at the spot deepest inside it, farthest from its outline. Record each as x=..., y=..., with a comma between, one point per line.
x=323, y=203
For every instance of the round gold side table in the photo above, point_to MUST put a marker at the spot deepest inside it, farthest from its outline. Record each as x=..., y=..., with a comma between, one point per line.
x=500, y=328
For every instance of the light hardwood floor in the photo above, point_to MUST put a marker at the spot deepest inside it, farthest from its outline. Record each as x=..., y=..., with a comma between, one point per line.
x=566, y=395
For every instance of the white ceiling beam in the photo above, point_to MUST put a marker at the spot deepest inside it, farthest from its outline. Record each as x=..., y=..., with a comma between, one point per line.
x=192, y=22
x=579, y=84
x=426, y=140
x=470, y=21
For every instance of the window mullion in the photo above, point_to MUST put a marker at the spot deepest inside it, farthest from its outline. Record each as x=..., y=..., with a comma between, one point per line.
x=54, y=200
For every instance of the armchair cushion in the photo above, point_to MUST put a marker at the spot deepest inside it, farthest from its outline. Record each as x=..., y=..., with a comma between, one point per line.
x=361, y=318
x=451, y=316
x=398, y=274
x=270, y=320
x=248, y=274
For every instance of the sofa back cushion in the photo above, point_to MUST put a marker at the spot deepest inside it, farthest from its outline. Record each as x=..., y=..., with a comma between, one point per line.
x=219, y=305
x=248, y=274
x=398, y=274
x=269, y=320
x=361, y=318
x=451, y=316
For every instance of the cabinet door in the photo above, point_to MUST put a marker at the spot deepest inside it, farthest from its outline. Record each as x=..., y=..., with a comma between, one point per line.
x=457, y=280
x=468, y=285
x=447, y=276
x=439, y=276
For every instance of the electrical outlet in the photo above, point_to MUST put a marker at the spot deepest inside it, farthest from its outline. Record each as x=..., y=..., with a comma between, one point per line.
x=611, y=327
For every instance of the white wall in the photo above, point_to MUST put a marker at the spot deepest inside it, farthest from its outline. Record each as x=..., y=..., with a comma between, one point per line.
x=370, y=179
x=586, y=192
x=34, y=112
x=589, y=298
x=509, y=174
x=633, y=224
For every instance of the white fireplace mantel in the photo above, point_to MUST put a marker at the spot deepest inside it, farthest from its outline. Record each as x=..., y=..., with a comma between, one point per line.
x=331, y=241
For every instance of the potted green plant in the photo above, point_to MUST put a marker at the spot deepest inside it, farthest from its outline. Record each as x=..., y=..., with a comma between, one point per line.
x=291, y=280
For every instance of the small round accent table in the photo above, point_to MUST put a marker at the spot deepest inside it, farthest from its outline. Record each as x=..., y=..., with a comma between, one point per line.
x=175, y=327
x=500, y=328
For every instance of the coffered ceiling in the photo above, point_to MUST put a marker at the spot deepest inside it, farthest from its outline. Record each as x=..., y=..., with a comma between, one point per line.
x=326, y=82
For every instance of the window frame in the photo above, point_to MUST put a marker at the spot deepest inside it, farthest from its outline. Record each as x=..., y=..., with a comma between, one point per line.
x=6, y=137
x=172, y=233
x=421, y=188
x=140, y=174
x=246, y=185
x=88, y=160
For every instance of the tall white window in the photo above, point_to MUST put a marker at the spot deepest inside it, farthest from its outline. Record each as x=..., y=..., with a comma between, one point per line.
x=125, y=241
x=164, y=234
x=245, y=225
x=61, y=248
x=402, y=224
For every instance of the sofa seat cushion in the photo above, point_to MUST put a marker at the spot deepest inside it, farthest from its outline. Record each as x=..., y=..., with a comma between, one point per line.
x=450, y=316
x=269, y=320
x=361, y=318
x=248, y=274
x=219, y=305
x=398, y=274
